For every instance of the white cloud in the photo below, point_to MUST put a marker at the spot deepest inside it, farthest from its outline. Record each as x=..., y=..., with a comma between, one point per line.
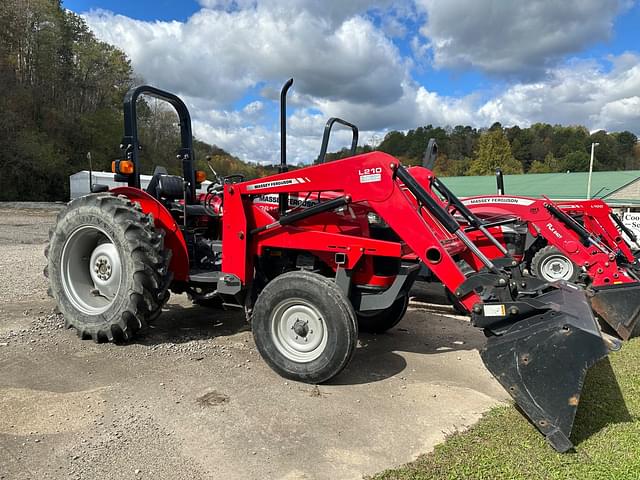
x=581, y=92
x=515, y=37
x=219, y=54
x=346, y=64
x=333, y=11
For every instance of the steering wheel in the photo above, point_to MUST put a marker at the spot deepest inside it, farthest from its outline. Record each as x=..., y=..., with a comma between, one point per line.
x=234, y=178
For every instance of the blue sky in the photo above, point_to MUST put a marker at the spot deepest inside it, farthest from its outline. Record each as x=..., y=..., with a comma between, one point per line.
x=383, y=64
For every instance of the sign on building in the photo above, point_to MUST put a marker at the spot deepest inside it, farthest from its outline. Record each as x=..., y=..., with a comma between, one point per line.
x=632, y=221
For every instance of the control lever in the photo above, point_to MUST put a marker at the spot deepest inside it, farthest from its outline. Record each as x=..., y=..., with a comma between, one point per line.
x=219, y=179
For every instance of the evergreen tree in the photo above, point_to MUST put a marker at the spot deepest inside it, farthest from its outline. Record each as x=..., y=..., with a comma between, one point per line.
x=494, y=152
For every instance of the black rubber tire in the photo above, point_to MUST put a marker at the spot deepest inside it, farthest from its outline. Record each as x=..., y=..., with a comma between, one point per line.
x=379, y=321
x=143, y=285
x=330, y=302
x=544, y=254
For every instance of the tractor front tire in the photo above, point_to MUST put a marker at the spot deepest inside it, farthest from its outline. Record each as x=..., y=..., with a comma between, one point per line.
x=304, y=327
x=550, y=264
x=379, y=321
x=107, y=267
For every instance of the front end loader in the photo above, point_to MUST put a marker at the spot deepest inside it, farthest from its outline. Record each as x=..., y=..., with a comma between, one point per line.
x=308, y=271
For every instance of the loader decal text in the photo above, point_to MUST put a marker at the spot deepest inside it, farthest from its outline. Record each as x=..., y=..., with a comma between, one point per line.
x=293, y=201
x=509, y=200
x=553, y=230
x=277, y=183
x=369, y=175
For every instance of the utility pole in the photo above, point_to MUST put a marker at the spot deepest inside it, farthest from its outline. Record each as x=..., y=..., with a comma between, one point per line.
x=593, y=149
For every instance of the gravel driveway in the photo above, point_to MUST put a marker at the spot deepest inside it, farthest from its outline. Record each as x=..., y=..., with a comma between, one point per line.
x=192, y=399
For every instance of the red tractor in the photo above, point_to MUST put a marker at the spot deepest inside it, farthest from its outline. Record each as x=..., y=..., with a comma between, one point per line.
x=592, y=220
x=568, y=241
x=305, y=274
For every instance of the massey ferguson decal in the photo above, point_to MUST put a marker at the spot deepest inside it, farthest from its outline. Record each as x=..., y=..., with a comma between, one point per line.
x=277, y=183
x=509, y=200
x=293, y=201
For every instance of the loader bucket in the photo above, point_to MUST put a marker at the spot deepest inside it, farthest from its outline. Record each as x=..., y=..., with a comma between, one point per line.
x=542, y=361
x=619, y=306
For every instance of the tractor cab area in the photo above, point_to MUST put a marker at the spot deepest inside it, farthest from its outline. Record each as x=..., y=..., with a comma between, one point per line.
x=194, y=225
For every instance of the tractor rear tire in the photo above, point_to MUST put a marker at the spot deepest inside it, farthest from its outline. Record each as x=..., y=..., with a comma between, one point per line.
x=107, y=267
x=379, y=321
x=550, y=264
x=304, y=327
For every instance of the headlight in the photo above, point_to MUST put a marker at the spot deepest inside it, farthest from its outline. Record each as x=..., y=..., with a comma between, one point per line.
x=374, y=219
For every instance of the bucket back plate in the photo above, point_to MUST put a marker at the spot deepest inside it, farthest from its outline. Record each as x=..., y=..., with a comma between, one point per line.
x=619, y=306
x=542, y=361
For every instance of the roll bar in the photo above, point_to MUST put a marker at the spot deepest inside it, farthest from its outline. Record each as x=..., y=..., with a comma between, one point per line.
x=500, y=181
x=283, y=198
x=131, y=145
x=430, y=154
x=327, y=134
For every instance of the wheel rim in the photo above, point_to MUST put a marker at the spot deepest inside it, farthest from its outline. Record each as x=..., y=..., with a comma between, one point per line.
x=298, y=330
x=557, y=267
x=91, y=270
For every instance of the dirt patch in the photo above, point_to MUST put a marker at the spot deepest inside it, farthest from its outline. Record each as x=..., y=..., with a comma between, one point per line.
x=212, y=398
x=26, y=411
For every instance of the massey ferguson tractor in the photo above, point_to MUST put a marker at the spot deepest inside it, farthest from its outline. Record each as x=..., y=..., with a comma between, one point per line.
x=310, y=267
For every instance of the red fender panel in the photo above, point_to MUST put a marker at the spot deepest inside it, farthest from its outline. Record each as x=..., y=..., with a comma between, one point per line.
x=173, y=239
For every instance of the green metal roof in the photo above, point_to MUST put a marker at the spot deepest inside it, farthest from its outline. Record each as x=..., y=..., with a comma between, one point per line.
x=560, y=186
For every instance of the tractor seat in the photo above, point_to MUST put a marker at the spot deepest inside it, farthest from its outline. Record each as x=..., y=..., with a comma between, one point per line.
x=163, y=185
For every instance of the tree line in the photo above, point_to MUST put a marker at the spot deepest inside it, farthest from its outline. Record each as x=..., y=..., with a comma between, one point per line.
x=540, y=148
x=61, y=92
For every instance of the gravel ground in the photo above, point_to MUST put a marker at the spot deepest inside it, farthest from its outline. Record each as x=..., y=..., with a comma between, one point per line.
x=191, y=398
x=23, y=233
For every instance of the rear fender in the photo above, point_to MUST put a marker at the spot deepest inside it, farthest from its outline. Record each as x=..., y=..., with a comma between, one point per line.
x=173, y=239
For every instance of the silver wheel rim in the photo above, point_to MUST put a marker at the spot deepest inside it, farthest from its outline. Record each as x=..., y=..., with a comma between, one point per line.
x=557, y=267
x=91, y=270
x=298, y=330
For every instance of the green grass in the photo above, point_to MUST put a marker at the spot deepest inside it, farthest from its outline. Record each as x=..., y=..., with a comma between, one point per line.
x=503, y=445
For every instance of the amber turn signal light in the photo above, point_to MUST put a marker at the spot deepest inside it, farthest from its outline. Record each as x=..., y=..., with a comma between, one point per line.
x=123, y=167
x=201, y=176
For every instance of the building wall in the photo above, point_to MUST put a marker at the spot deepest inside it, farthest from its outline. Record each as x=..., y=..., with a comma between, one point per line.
x=79, y=182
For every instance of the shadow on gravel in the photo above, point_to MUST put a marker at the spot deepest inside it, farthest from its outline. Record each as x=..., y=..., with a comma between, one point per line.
x=179, y=324
x=378, y=358
x=421, y=331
